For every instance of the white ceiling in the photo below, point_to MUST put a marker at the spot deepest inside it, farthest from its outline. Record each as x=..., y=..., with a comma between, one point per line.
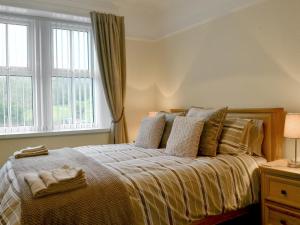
x=145, y=19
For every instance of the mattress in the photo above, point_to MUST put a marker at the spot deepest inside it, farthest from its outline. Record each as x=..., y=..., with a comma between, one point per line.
x=162, y=189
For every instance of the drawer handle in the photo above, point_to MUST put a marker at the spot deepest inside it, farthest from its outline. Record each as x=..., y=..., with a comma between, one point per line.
x=283, y=192
x=283, y=222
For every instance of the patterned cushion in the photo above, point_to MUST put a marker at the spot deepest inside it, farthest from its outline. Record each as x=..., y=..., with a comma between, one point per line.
x=214, y=120
x=170, y=117
x=255, y=138
x=234, y=137
x=242, y=136
x=150, y=132
x=184, y=138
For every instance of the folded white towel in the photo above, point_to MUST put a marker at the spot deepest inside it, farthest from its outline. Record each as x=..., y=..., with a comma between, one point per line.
x=67, y=173
x=31, y=151
x=36, y=185
x=55, y=181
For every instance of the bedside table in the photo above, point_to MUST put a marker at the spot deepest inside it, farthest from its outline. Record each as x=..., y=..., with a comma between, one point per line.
x=280, y=194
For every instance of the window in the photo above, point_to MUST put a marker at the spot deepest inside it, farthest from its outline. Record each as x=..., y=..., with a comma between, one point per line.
x=48, y=77
x=16, y=91
x=72, y=83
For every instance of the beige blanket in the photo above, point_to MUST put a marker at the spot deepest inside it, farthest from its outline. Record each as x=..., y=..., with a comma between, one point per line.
x=163, y=189
x=102, y=201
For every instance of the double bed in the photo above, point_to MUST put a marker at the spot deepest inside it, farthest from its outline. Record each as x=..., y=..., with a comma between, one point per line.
x=164, y=189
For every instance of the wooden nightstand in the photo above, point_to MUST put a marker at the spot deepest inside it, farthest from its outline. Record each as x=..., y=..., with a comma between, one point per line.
x=280, y=194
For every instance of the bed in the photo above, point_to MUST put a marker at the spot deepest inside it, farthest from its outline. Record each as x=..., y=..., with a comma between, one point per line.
x=170, y=190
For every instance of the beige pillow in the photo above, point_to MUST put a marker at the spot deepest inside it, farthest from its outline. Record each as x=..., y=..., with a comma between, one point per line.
x=170, y=117
x=184, y=138
x=150, y=132
x=235, y=136
x=255, y=138
x=242, y=135
x=214, y=120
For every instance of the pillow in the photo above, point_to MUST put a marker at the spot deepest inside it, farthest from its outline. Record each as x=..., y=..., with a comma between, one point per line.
x=214, y=119
x=150, y=132
x=234, y=137
x=184, y=138
x=170, y=117
x=242, y=136
x=255, y=138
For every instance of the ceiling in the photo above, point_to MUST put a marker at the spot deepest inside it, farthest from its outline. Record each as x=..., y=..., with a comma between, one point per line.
x=145, y=19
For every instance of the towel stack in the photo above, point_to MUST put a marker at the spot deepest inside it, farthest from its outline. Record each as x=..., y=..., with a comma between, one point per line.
x=31, y=151
x=55, y=181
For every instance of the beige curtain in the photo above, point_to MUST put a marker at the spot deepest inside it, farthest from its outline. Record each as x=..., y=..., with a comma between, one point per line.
x=109, y=37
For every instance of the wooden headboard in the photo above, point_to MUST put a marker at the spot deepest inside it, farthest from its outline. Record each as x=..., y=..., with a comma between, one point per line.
x=273, y=127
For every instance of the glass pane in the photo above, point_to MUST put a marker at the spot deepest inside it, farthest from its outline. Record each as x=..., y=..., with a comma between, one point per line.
x=80, y=50
x=61, y=49
x=62, y=100
x=3, y=102
x=2, y=44
x=17, y=45
x=21, y=101
x=83, y=100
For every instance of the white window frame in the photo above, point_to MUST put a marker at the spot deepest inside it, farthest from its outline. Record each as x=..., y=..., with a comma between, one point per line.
x=29, y=71
x=40, y=36
x=64, y=72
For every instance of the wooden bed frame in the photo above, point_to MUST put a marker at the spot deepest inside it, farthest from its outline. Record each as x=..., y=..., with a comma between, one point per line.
x=272, y=149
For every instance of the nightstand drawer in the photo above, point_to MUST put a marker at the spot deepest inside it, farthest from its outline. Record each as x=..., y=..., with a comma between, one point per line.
x=283, y=190
x=277, y=216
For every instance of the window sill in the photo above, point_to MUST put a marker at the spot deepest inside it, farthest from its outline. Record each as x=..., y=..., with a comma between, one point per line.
x=52, y=133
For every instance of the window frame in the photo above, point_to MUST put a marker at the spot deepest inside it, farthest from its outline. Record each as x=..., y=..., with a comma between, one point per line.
x=11, y=71
x=23, y=21
x=40, y=62
x=64, y=73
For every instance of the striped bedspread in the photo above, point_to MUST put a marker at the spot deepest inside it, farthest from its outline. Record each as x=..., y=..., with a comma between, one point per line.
x=163, y=189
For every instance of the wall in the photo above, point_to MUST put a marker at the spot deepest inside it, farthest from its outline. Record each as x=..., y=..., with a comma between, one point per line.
x=249, y=58
x=141, y=89
x=8, y=146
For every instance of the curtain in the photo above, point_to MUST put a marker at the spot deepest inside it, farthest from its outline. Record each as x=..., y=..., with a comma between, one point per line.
x=109, y=38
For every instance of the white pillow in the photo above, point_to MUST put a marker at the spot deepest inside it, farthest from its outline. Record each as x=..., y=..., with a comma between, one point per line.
x=185, y=137
x=150, y=132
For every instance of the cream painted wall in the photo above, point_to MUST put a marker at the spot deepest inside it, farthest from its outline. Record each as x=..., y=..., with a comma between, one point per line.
x=8, y=146
x=141, y=90
x=250, y=58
